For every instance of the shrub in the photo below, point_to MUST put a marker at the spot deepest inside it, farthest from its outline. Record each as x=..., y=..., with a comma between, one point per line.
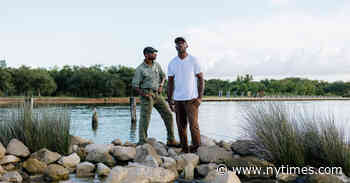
x=295, y=136
x=45, y=127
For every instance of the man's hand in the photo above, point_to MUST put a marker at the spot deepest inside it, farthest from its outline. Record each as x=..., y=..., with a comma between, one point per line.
x=160, y=89
x=171, y=105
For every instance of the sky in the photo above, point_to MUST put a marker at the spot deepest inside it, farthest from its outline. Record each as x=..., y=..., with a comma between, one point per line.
x=264, y=38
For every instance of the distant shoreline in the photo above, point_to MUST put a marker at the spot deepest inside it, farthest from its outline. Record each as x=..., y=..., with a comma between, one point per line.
x=125, y=100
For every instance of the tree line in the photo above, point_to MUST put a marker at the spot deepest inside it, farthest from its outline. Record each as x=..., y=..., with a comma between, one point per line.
x=115, y=81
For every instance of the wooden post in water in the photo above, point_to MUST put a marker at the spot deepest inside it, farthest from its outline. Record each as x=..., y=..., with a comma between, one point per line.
x=94, y=120
x=133, y=109
x=30, y=102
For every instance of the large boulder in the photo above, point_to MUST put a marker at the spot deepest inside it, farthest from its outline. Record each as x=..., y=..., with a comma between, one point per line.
x=160, y=148
x=34, y=166
x=188, y=173
x=147, y=155
x=12, y=176
x=117, y=174
x=9, y=167
x=158, y=174
x=70, y=162
x=204, y=169
x=2, y=151
x=225, y=145
x=228, y=177
x=185, y=159
x=123, y=153
x=249, y=148
x=266, y=169
x=55, y=172
x=168, y=163
x=75, y=140
x=85, y=169
x=2, y=170
x=46, y=156
x=117, y=142
x=17, y=148
x=323, y=179
x=214, y=154
x=99, y=153
x=102, y=170
x=9, y=159
x=286, y=177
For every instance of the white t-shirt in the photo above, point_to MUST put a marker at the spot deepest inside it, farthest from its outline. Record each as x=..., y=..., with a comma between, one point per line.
x=185, y=80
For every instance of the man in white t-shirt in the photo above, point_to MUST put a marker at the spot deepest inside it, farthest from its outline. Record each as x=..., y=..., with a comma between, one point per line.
x=185, y=92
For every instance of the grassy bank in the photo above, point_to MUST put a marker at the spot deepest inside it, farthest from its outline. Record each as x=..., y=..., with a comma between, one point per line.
x=296, y=137
x=39, y=128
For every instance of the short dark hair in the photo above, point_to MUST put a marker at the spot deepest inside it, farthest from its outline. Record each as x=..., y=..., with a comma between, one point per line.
x=149, y=49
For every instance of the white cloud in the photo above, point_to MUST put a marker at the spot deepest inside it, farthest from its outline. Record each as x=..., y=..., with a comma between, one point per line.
x=284, y=45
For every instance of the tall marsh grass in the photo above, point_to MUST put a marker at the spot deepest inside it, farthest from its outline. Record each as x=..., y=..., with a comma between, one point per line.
x=45, y=127
x=297, y=136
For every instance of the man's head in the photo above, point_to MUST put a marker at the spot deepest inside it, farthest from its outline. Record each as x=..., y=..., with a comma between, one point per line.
x=181, y=44
x=150, y=53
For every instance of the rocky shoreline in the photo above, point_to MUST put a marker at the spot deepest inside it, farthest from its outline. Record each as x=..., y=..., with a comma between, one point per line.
x=153, y=162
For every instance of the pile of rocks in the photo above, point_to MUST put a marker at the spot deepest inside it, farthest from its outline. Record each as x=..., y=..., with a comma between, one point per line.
x=153, y=162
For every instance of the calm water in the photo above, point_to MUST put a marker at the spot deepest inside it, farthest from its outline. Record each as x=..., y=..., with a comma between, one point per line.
x=219, y=120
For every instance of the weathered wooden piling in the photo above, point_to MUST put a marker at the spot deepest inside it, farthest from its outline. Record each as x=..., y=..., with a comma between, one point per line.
x=133, y=109
x=94, y=120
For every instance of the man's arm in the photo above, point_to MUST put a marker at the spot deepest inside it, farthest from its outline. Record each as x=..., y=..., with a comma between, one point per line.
x=200, y=85
x=171, y=92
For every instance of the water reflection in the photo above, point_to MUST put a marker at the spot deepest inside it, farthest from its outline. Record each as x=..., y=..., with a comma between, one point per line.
x=132, y=136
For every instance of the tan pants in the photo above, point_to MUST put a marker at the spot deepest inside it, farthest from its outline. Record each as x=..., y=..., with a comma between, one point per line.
x=187, y=112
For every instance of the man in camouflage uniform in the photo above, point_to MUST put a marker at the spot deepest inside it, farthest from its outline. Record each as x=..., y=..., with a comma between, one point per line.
x=148, y=82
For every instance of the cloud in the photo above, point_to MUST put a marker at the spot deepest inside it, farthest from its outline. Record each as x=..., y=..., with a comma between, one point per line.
x=283, y=45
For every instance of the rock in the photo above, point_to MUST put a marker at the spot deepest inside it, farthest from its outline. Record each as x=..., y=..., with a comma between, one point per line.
x=159, y=175
x=172, y=152
x=34, y=166
x=9, y=159
x=214, y=154
x=99, y=153
x=267, y=169
x=285, y=177
x=206, y=141
x=214, y=177
x=85, y=169
x=9, y=167
x=160, y=148
x=81, y=142
x=17, y=148
x=117, y=142
x=123, y=153
x=129, y=144
x=12, y=176
x=102, y=170
x=55, y=172
x=117, y=174
x=168, y=163
x=323, y=179
x=249, y=148
x=204, y=169
x=70, y=162
x=136, y=180
x=46, y=156
x=188, y=172
x=225, y=145
x=37, y=178
x=2, y=170
x=184, y=159
x=2, y=151
x=146, y=154
x=82, y=153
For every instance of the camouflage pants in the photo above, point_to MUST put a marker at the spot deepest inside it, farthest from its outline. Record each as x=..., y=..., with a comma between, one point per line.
x=147, y=104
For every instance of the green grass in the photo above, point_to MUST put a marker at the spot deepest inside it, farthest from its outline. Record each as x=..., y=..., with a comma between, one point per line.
x=296, y=136
x=44, y=127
